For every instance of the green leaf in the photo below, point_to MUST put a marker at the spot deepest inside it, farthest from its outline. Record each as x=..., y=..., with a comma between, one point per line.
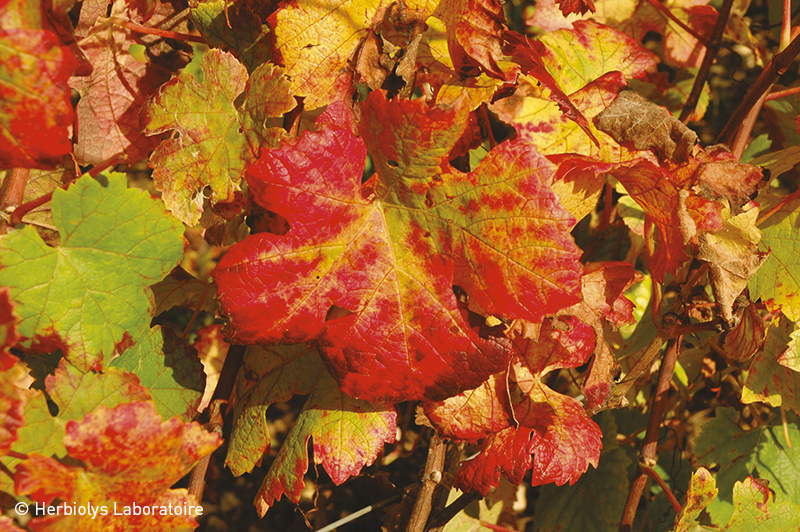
x=169, y=369
x=756, y=510
x=90, y=296
x=575, y=508
x=762, y=452
x=216, y=140
x=778, y=279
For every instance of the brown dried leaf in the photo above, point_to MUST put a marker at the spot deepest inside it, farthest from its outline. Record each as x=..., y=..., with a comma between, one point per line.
x=635, y=119
x=733, y=256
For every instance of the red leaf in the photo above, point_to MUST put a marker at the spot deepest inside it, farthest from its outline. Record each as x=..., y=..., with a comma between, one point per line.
x=576, y=6
x=650, y=187
x=372, y=278
x=130, y=456
x=35, y=108
x=474, y=35
x=603, y=287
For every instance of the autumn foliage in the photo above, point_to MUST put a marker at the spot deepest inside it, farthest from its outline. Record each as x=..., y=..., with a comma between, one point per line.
x=485, y=229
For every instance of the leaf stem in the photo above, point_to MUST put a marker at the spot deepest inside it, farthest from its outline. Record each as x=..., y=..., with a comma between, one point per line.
x=4, y=469
x=138, y=28
x=667, y=13
x=781, y=94
x=777, y=66
x=648, y=455
x=355, y=515
x=424, y=503
x=781, y=204
x=712, y=48
x=652, y=473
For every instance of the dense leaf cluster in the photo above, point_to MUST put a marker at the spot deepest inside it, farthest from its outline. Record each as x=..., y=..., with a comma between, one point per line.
x=434, y=227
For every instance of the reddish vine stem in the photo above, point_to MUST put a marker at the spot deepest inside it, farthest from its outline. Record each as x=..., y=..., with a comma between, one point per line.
x=652, y=473
x=138, y=28
x=6, y=471
x=781, y=94
x=776, y=67
x=667, y=13
x=712, y=48
x=434, y=467
x=648, y=456
x=222, y=393
x=781, y=204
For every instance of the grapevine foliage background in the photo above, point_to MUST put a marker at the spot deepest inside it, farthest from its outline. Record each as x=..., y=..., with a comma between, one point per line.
x=405, y=253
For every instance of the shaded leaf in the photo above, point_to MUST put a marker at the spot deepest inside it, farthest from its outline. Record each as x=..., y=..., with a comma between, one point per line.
x=115, y=242
x=169, y=369
x=245, y=37
x=112, y=97
x=347, y=434
x=268, y=375
x=574, y=508
x=768, y=380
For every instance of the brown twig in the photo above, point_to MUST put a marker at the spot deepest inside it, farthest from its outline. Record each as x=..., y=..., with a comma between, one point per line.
x=452, y=509
x=434, y=467
x=14, y=189
x=4, y=469
x=222, y=394
x=779, y=63
x=648, y=456
x=712, y=48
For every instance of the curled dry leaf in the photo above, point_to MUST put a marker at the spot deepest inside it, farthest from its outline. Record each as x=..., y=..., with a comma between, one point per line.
x=635, y=119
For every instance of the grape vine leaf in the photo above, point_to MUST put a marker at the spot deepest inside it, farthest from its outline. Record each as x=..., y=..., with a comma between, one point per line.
x=111, y=98
x=762, y=452
x=777, y=281
x=316, y=41
x=650, y=187
x=75, y=394
x=169, y=369
x=218, y=138
x=40, y=183
x=268, y=375
x=768, y=379
x=634, y=119
x=554, y=427
x=180, y=288
x=35, y=108
x=702, y=491
x=348, y=434
x=574, y=508
x=474, y=34
x=753, y=510
x=394, y=331
x=582, y=54
x=233, y=28
x=90, y=296
x=129, y=456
